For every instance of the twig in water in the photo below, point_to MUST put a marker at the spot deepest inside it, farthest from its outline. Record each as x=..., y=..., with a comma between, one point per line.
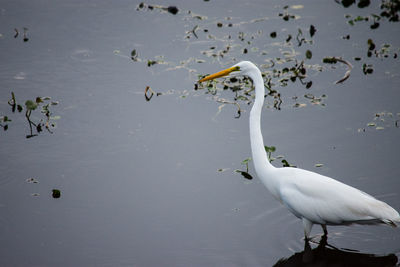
x=349, y=68
x=334, y=60
x=224, y=101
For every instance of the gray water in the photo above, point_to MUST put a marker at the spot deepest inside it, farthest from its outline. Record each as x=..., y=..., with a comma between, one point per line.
x=141, y=181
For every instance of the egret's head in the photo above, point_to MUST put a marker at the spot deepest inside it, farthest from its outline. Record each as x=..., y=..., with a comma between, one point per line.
x=242, y=68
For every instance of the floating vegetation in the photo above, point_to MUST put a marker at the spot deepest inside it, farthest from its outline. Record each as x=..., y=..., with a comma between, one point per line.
x=389, y=9
x=148, y=93
x=269, y=150
x=151, y=63
x=134, y=55
x=56, y=193
x=367, y=69
x=4, y=122
x=285, y=15
x=297, y=104
x=246, y=173
x=301, y=39
x=25, y=34
x=382, y=120
x=371, y=47
x=32, y=180
x=308, y=54
x=170, y=9
x=44, y=103
x=192, y=31
x=226, y=41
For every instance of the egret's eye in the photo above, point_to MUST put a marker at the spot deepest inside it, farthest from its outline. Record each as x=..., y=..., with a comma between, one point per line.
x=237, y=68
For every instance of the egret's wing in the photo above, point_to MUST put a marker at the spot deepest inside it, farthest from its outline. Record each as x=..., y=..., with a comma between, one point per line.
x=326, y=201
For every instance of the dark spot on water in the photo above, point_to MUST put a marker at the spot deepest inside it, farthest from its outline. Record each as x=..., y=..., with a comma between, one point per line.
x=173, y=10
x=313, y=30
x=56, y=193
x=363, y=3
x=374, y=26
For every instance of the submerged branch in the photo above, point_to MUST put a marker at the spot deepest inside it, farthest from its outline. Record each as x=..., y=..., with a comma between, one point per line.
x=349, y=68
x=334, y=60
x=224, y=101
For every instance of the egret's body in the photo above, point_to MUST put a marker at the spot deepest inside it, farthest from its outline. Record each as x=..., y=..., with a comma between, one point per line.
x=314, y=198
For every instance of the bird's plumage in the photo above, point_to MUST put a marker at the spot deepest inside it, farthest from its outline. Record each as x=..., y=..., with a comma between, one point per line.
x=314, y=198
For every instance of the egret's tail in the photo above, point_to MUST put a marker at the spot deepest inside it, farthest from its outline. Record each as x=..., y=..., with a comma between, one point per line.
x=391, y=223
x=385, y=213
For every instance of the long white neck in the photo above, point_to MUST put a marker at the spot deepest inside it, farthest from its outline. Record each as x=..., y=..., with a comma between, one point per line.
x=264, y=169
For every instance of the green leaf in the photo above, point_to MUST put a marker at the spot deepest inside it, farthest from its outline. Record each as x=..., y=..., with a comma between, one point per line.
x=308, y=54
x=285, y=163
x=151, y=62
x=270, y=149
x=30, y=105
x=246, y=161
x=318, y=165
x=57, y=117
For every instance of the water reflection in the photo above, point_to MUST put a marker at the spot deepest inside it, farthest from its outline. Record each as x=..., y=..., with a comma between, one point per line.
x=327, y=255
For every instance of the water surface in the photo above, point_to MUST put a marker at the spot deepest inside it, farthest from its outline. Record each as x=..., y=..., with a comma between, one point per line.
x=139, y=179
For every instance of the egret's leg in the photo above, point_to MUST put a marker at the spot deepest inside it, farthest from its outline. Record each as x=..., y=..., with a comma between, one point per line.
x=324, y=228
x=307, y=225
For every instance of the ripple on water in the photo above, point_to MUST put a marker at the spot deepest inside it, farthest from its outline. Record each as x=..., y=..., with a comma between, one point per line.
x=6, y=177
x=83, y=55
x=288, y=231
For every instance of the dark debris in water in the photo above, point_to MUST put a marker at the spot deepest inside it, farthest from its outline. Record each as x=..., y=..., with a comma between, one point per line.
x=25, y=34
x=149, y=93
x=56, y=193
x=134, y=55
x=170, y=9
x=245, y=175
x=285, y=15
x=312, y=30
x=173, y=10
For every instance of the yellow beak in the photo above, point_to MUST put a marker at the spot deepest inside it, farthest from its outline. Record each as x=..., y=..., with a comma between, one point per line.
x=222, y=73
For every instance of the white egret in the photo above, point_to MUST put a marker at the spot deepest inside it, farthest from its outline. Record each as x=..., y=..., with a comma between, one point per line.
x=314, y=198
